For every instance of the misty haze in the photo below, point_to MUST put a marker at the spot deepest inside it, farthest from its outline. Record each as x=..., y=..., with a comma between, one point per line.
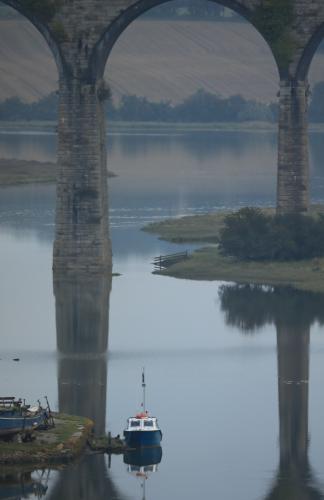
x=161, y=213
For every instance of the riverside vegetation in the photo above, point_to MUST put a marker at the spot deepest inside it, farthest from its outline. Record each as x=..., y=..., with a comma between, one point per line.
x=251, y=246
x=201, y=107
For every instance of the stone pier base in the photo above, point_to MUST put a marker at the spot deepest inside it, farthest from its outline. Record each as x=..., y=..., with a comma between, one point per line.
x=293, y=161
x=81, y=237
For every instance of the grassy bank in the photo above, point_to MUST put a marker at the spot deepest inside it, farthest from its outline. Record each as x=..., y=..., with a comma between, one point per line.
x=60, y=444
x=191, y=229
x=190, y=127
x=207, y=264
x=28, y=126
x=116, y=126
x=15, y=172
x=150, y=127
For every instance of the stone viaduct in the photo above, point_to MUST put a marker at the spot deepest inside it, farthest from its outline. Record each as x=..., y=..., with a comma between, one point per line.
x=81, y=34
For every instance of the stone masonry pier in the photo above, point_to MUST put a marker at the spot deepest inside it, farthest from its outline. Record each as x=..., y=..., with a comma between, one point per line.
x=81, y=34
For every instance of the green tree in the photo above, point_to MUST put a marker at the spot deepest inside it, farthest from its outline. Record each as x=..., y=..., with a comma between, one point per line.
x=249, y=234
x=246, y=234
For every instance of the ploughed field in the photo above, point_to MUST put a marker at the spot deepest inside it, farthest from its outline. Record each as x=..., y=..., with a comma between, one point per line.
x=161, y=60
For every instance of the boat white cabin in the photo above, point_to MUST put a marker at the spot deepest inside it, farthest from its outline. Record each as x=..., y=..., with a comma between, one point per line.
x=142, y=430
x=142, y=423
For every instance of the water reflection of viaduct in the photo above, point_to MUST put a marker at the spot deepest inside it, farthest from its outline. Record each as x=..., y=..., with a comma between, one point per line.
x=81, y=35
x=293, y=312
x=82, y=314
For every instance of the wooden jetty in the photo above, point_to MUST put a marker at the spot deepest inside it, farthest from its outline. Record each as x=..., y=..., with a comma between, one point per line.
x=164, y=261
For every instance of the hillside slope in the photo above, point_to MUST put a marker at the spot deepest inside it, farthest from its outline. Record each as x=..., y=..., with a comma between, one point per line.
x=157, y=59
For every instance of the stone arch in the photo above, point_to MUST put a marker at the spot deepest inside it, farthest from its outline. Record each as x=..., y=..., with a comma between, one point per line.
x=116, y=28
x=308, y=53
x=42, y=28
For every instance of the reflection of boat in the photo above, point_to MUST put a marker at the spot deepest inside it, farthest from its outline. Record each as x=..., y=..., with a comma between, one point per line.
x=143, y=456
x=21, y=485
x=142, y=430
x=141, y=463
x=142, y=471
x=16, y=417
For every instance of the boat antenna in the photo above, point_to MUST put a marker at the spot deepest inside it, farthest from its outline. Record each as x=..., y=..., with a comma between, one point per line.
x=143, y=387
x=143, y=487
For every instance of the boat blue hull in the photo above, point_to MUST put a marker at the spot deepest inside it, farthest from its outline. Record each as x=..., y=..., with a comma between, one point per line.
x=140, y=439
x=17, y=423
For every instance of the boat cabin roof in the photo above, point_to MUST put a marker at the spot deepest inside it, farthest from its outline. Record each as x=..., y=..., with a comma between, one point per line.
x=141, y=418
x=146, y=423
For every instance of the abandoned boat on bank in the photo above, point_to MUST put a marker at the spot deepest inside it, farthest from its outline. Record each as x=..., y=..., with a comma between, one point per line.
x=142, y=430
x=16, y=417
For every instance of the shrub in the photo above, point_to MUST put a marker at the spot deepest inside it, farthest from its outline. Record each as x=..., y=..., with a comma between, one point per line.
x=249, y=234
x=245, y=234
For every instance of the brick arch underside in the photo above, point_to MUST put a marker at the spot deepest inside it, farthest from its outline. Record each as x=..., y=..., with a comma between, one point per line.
x=42, y=28
x=309, y=53
x=117, y=27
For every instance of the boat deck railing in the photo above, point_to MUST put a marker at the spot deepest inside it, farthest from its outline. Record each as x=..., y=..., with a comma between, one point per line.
x=7, y=400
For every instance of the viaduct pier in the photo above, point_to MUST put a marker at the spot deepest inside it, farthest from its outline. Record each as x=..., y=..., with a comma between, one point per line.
x=81, y=34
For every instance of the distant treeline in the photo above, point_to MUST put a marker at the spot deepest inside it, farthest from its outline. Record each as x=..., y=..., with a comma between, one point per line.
x=178, y=9
x=191, y=9
x=200, y=107
x=13, y=109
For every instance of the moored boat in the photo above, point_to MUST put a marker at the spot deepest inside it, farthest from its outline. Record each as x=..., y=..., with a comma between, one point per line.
x=142, y=430
x=16, y=417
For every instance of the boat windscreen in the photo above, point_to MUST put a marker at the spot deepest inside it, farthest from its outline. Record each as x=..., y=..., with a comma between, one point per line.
x=135, y=423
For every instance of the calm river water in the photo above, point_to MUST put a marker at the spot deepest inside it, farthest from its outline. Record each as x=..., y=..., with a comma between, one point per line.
x=235, y=374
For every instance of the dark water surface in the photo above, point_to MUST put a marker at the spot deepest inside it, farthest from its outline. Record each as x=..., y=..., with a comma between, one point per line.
x=235, y=373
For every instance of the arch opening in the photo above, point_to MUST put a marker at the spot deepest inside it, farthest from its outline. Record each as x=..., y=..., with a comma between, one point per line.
x=151, y=78
x=200, y=53
x=309, y=52
x=41, y=27
x=313, y=72
x=30, y=70
x=315, y=77
x=108, y=39
x=28, y=87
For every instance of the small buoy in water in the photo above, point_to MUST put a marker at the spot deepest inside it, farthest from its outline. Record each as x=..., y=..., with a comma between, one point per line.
x=16, y=359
